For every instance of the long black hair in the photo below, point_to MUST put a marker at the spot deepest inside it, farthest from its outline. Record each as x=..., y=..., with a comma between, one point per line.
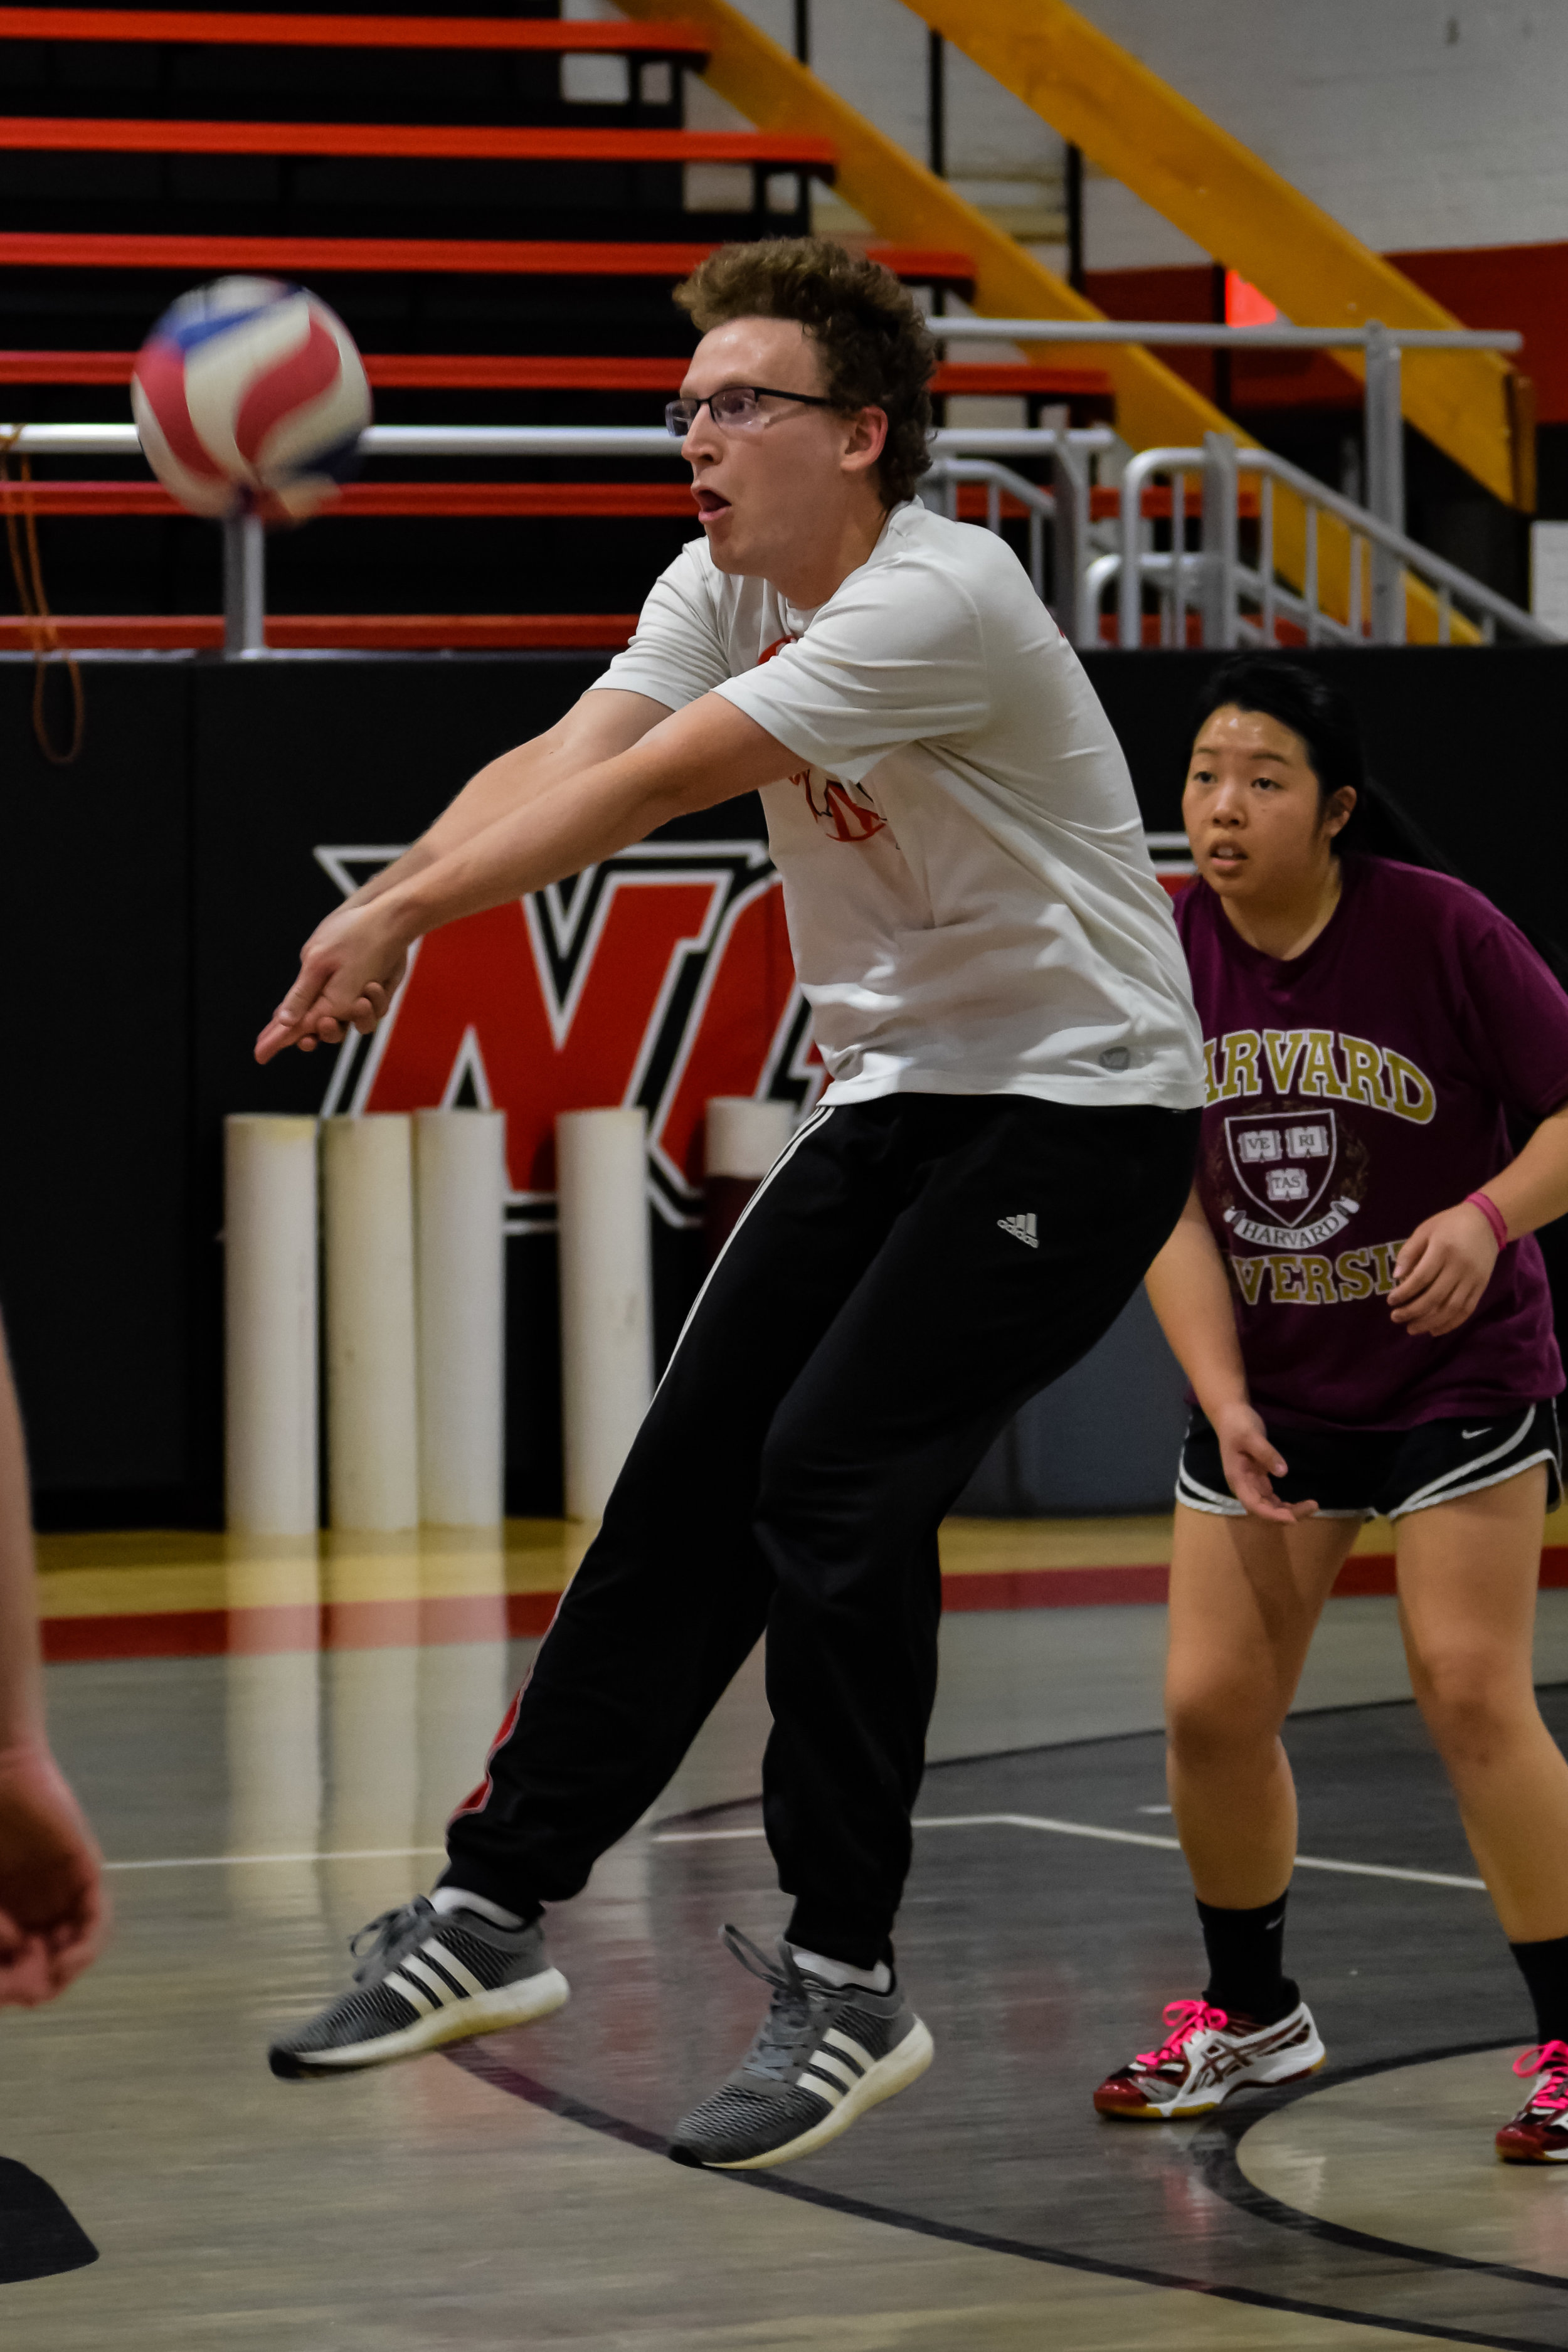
x=1324, y=718
x=1323, y=715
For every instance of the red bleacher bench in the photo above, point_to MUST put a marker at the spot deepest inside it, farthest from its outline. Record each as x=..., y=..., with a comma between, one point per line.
x=51, y=134
x=505, y=371
x=330, y=632
x=303, y=257
x=205, y=28
x=498, y=500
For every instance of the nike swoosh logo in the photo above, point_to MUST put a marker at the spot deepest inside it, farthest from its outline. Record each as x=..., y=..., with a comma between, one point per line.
x=1476, y=1432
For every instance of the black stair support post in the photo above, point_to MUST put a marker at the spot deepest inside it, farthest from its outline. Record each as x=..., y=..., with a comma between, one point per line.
x=1073, y=189
x=936, y=103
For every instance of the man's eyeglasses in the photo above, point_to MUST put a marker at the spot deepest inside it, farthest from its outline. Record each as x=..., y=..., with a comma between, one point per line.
x=734, y=409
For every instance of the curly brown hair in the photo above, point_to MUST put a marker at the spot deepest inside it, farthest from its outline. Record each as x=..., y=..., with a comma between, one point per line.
x=875, y=352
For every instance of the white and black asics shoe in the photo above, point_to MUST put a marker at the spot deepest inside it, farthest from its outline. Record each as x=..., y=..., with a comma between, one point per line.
x=427, y=1978
x=824, y=2053
x=1539, y=2133
x=1205, y=2057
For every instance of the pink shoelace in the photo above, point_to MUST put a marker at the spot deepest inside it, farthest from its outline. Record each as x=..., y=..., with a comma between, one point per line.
x=1551, y=2059
x=1186, y=2018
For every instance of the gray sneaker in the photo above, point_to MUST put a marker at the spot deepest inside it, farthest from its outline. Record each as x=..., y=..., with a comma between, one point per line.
x=823, y=2054
x=427, y=1978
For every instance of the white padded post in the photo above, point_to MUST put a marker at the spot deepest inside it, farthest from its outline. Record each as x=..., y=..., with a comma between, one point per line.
x=743, y=1137
x=269, y=1326
x=606, y=1319
x=459, y=1166
x=373, y=1422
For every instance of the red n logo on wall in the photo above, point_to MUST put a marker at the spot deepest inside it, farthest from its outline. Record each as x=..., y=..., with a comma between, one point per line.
x=659, y=978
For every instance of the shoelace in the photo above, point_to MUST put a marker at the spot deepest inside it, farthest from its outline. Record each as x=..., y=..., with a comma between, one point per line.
x=386, y=1931
x=1184, y=2019
x=1551, y=2059
x=772, y=2051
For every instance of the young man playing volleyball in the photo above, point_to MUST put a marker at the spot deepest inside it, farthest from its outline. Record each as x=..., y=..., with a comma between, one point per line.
x=999, y=996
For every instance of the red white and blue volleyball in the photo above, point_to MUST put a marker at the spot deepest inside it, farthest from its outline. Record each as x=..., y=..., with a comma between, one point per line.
x=249, y=394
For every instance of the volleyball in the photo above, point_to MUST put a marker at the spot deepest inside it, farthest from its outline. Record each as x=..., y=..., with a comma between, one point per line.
x=248, y=391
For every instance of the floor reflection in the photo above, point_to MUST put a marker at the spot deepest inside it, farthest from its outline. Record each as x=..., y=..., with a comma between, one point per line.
x=349, y=1729
x=990, y=2209
x=1403, y=2153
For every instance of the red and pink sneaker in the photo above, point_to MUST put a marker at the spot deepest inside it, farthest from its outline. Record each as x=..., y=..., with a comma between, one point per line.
x=1539, y=2133
x=1208, y=2055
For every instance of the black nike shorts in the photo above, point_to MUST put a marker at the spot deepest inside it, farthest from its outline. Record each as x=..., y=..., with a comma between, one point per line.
x=1387, y=1473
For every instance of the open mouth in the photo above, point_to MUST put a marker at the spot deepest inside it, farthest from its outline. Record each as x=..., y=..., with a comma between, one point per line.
x=708, y=502
x=1226, y=856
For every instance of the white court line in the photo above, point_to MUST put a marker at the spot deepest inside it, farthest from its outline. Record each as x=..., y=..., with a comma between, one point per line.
x=222, y=1861
x=928, y=1821
x=1111, y=1837
x=701, y=1837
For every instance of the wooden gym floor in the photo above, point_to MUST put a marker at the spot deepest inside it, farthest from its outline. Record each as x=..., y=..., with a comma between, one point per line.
x=268, y=1747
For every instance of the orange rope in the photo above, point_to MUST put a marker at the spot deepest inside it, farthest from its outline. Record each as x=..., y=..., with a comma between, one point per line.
x=39, y=623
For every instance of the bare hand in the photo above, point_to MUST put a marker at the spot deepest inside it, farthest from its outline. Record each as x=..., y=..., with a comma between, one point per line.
x=53, y=1915
x=1251, y=1464
x=350, y=968
x=1442, y=1271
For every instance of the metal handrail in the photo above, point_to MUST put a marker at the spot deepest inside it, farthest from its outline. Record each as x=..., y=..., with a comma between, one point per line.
x=1183, y=331
x=1134, y=562
x=544, y=441
x=1411, y=553
x=1066, y=450
x=1000, y=480
x=1383, y=347
x=1129, y=584
x=1211, y=578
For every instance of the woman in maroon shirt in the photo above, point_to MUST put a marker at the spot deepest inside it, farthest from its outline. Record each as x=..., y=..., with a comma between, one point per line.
x=1366, y=1325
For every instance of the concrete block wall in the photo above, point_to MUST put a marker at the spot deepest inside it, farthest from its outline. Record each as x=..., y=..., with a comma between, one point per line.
x=1415, y=123
x=1419, y=123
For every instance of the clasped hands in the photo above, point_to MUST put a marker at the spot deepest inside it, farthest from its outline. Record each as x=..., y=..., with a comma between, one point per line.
x=350, y=968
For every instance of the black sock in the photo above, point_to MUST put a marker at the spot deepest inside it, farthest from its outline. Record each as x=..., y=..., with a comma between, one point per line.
x=1246, y=1961
x=1544, y=1968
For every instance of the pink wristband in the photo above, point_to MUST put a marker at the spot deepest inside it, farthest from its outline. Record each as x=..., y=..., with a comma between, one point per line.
x=1493, y=1215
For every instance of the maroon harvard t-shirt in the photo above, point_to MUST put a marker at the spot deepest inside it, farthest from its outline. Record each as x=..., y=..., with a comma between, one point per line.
x=1352, y=1092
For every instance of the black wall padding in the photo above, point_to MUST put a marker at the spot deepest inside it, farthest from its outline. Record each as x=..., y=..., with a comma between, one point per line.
x=152, y=898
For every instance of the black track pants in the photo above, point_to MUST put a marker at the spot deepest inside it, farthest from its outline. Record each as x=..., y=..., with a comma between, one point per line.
x=909, y=1273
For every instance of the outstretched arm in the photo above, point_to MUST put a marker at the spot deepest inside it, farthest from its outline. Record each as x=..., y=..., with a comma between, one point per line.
x=1190, y=1293
x=1446, y=1263
x=599, y=725
x=52, y=1915
x=691, y=759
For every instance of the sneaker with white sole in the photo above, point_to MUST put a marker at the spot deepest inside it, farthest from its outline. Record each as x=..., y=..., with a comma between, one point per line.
x=821, y=2057
x=1205, y=2057
x=428, y=1978
x=1539, y=2133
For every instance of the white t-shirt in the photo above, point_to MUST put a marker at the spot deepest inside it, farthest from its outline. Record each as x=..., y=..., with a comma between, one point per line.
x=971, y=904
